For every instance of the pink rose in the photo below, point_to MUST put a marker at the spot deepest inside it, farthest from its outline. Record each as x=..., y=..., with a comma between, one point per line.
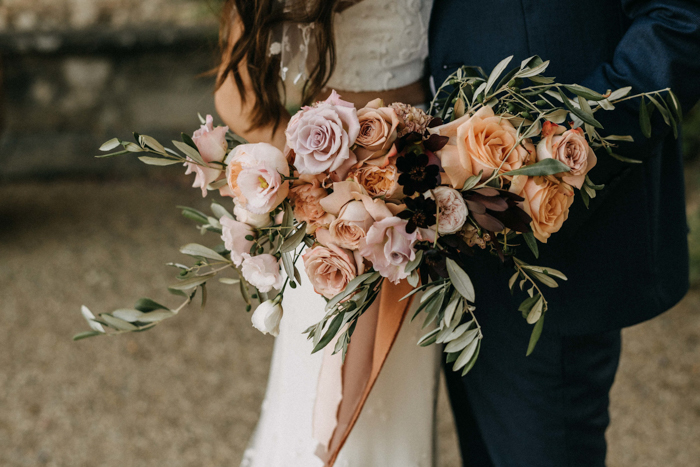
x=306, y=195
x=569, y=147
x=389, y=247
x=253, y=175
x=378, y=130
x=234, y=233
x=262, y=272
x=453, y=210
x=483, y=141
x=351, y=226
x=548, y=205
x=329, y=268
x=321, y=136
x=212, y=146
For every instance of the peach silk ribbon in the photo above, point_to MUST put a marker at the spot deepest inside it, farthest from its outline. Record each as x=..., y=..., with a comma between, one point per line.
x=343, y=388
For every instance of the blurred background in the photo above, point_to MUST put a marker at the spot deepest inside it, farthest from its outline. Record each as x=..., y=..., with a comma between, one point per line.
x=75, y=230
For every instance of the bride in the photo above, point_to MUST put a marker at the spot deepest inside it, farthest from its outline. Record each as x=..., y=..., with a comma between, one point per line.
x=319, y=411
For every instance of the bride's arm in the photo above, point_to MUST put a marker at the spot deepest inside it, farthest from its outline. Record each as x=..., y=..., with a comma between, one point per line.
x=236, y=112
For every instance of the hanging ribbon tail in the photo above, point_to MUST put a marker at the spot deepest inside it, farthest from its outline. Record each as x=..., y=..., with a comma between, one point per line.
x=337, y=406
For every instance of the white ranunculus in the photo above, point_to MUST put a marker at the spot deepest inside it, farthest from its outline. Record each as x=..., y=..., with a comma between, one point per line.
x=453, y=210
x=262, y=272
x=266, y=318
x=250, y=218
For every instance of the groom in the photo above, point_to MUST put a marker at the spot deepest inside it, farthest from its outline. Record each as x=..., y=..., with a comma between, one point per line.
x=626, y=257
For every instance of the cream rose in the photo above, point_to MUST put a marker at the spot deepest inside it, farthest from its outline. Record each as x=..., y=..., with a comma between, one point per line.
x=234, y=234
x=254, y=174
x=481, y=142
x=262, y=272
x=453, y=210
x=306, y=195
x=378, y=181
x=569, y=147
x=211, y=144
x=548, y=204
x=378, y=130
x=320, y=137
x=351, y=226
x=329, y=268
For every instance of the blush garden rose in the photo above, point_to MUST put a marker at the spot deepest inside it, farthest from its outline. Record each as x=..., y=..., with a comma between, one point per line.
x=321, y=136
x=569, y=147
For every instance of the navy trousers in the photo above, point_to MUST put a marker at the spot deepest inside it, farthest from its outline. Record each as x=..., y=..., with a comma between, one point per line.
x=546, y=410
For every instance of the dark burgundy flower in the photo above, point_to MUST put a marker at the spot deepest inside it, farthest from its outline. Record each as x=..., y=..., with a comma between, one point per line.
x=434, y=265
x=420, y=212
x=417, y=176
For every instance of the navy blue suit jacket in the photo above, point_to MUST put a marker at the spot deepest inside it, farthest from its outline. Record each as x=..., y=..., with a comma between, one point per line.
x=626, y=256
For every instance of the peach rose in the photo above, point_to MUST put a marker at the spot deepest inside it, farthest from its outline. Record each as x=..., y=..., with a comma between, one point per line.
x=253, y=175
x=211, y=144
x=479, y=142
x=306, y=195
x=548, y=204
x=329, y=268
x=351, y=226
x=378, y=130
x=378, y=181
x=569, y=147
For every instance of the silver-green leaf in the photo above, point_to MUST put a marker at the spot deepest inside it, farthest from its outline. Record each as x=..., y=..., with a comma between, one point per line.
x=195, y=249
x=460, y=280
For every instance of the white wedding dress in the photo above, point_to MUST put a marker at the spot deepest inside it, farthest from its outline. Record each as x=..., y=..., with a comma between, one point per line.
x=381, y=44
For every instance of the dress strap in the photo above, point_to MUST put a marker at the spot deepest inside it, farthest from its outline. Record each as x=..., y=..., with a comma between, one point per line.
x=346, y=386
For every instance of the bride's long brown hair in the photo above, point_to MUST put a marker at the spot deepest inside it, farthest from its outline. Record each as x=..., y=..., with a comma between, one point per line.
x=255, y=20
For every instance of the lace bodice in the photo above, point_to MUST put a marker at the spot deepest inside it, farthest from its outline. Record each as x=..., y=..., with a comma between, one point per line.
x=381, y=44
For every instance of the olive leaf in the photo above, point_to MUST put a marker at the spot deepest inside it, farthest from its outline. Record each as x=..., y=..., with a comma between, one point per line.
x=498, y=69
x=159, y=161
x=194, y=249
x=531, y=242
x=584, y=92
x=111, y=144
x=585, y=117
x=540, y=169
x=460, y=280
x=535, y=336
x=644, y=119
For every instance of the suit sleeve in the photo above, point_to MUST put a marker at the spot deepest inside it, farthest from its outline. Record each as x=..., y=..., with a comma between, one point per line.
x=660, y=49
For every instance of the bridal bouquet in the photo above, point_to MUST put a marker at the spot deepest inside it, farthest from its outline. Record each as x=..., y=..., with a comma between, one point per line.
x=391, y=193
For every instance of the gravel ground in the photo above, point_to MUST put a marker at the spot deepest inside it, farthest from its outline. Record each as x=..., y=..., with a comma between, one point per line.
x=188, y=393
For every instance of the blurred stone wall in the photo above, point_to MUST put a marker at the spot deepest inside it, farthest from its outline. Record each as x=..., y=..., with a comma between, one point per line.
x=53, y=15
x=74, y=73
